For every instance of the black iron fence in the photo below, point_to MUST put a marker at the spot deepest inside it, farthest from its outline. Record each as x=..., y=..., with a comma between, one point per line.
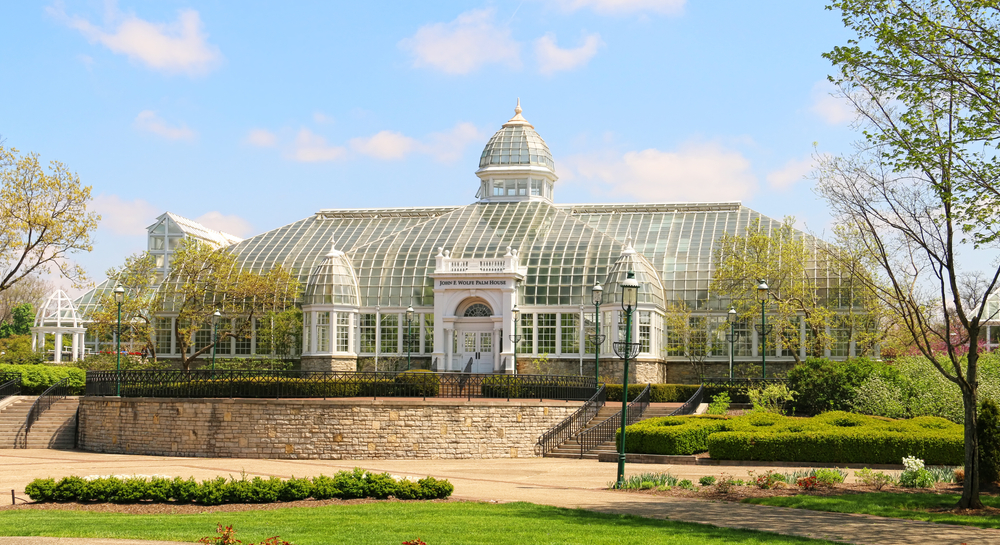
x=309, y=384
x=54, y=393
x=605, y=431
x=575, y=422
x=10, y=384
x=692, y=403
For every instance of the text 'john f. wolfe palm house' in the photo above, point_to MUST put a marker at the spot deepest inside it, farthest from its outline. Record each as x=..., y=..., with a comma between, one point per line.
x=463, y=269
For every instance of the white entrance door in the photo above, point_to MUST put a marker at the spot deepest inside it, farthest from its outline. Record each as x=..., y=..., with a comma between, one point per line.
x=477, y=347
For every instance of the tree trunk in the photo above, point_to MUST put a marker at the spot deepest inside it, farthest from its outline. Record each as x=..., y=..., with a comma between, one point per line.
x=970, y=486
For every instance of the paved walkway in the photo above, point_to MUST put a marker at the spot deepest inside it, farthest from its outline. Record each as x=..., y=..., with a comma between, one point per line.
x=557, y=482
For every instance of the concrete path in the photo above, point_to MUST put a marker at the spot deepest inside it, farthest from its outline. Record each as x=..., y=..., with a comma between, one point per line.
x=557, y=482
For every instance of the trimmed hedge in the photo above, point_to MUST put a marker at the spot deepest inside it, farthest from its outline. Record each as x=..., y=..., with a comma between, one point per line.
x=834, y=437
x=658, y=393
x=344, y=485
x=35, y=379
x=672, y=434
x=515, y=386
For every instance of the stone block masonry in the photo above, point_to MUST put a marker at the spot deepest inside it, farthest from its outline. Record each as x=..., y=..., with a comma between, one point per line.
x=360, y=429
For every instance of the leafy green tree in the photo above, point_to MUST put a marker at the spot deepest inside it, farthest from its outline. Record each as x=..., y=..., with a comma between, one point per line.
x=22, y=318
x=921, y=75
x=686, y=335
x=203, y=280
x=43, y=218
x=279, y=333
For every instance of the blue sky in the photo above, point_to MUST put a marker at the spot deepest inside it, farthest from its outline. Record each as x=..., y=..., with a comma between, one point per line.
x=250, y=115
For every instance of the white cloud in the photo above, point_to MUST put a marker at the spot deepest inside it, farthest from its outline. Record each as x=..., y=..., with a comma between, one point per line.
x=321, y=118
x=231, y=224
x=387, y=145
x=463, y=45
x=262, y=138
x=312, y=148
x=148, y=121
x=618, y=7
x=123, y=217
x=178, y=47
x=552, y=58
x=833, y=109
x=700, y=172
x=447, y=147
x=794, y=171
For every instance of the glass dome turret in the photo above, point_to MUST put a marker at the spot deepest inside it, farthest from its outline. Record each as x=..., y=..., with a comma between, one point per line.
x=516, y=164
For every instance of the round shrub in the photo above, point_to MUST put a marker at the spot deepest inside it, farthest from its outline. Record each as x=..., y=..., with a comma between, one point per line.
x=296, y=489
x=350, y=484
x=323, y=488
x=675, y=435
x=212, y=492
x=182, y=490
x=159, y=489
x=70, y=489
x=41, y=490
x=988, y=432
x=435, y=489
x=379, y=485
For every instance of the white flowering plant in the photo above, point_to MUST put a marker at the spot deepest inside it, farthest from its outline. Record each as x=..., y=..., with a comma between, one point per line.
x=914, y=475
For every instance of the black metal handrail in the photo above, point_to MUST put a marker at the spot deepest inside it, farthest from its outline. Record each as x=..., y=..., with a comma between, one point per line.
x=691, y=404
x=54, y=393
x=726, y=382
x=11, y=387
x=605, y=431
x=310, y=384
x=573, y=423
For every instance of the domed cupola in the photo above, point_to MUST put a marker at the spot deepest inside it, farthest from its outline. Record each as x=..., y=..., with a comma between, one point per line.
x=650, y=285
x=516, y=164
x=332, y=281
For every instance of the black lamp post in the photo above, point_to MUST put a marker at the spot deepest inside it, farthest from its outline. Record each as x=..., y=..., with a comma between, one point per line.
x=514, y=337
x=625, y=350
x=409, y=338
x=731, y=318
x=215, y=338
x=762, y=293
x=119, y=292
x=597, y=339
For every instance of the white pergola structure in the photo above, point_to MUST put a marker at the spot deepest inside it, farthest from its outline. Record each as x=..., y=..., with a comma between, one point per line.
x=59, y=317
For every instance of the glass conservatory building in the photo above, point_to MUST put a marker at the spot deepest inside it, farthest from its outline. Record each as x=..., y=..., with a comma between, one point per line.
x=463, y=269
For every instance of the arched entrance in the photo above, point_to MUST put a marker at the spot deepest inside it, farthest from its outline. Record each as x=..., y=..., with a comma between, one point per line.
x=475, y=337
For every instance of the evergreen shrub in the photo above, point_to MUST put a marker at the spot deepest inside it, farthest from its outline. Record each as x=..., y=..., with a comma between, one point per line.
x=988, y=431
x=658, y=393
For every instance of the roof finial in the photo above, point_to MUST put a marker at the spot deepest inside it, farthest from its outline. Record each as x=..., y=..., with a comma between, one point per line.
x=334, y=252
x=517, y=109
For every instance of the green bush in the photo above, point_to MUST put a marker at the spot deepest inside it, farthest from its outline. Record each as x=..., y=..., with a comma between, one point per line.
x=350, y=484
x=183, y=491
x=35, y=379
x=324, y=488
x=296, y=489
x=379, y=485
x=16, y=350
x=159, y=489
x=103, y=489
x=266, y=490
x=41, y=490
x=69, y=489
x=920, y=478
x=658, y=393
x=707, y=480
x=433, y=489
x=988, y=431
x=827, y=385
x=409, y=490
x=720, y=404
x=672, y=434
x=212, y=492
x=417, y=383
x=828, y=477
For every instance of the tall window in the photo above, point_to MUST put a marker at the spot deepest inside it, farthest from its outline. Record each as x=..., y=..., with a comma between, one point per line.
x=243, y=343
x=202, y=337
x=428, y=333
x=674, y=340
x=570, y=333
x=366, y=332
x=841, y=332
x=606, y=330
x=163, y=332
x=698, y=338
x=743, y=345
x=411, y=334
x=527, y=345
x=389, y=334
x=546, y=333
x=718, y=328
x=323, y=332
x=645, y=331
x=306, y=334
x=589, y=330
x=343, y=331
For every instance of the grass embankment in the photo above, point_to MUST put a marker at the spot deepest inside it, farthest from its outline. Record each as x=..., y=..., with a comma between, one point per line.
x=926, y=507
x=383, y=523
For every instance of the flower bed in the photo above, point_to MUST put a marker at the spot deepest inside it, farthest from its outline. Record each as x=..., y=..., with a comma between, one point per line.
x=834, y=437
x=132, y=489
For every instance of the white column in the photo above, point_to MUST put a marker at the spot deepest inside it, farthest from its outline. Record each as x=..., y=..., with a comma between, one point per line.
x=446, y=339
x=76, y=346
x=59, y=340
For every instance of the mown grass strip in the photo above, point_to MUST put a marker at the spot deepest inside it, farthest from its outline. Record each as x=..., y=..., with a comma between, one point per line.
x=889, y=504
x=391, y=522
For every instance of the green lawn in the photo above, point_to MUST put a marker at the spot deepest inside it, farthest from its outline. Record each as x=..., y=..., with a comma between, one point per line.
x=888, y=504
x=390, y=523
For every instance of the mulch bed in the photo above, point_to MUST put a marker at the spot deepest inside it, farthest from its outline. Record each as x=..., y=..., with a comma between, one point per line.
x=170, y=508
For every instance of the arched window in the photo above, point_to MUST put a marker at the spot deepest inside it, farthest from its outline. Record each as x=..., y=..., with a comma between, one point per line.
x=478, y=310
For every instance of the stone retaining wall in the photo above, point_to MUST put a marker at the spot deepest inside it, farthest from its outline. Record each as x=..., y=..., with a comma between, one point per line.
x=317, y=429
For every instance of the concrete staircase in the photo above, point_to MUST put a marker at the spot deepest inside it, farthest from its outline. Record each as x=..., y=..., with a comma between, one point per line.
x=55, y=429
x=571, y=447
